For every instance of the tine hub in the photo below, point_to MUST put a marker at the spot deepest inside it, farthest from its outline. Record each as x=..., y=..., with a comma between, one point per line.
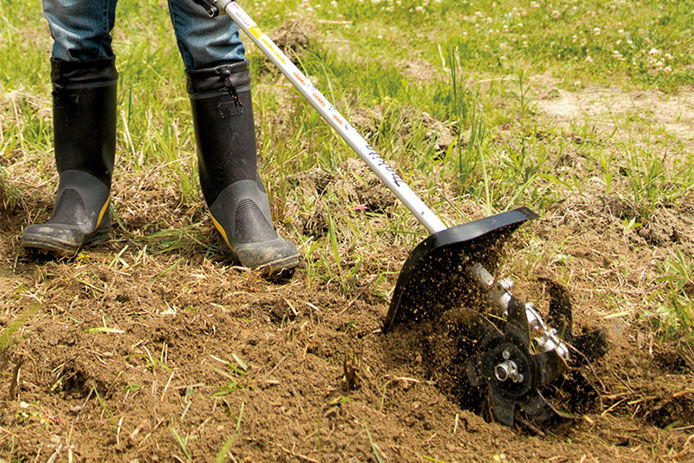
x=508, y=370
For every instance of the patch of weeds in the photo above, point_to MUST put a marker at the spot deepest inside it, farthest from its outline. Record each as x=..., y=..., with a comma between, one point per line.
x=469, y=158
x=9, y=195
x=676, y=315
x=454, y=100
x=152, y=363
x=179, y=240
x=520, y=169
x=131, y=389
x=647, y=179
x=234, y=372
x=608, y=172
x=523, y=93
x=7, y=338
x=30, y=414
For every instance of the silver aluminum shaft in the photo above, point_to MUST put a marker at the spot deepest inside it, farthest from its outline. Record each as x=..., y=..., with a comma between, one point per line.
x=420, y=210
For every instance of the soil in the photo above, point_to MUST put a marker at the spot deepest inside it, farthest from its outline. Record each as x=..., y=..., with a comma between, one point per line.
x=673, y=113
x=143, y=349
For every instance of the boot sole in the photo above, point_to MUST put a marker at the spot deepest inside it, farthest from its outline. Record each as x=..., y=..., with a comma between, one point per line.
x=278, y=267
x=60, y=247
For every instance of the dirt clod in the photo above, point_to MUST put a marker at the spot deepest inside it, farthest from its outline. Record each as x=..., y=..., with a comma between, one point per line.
x=294, y=37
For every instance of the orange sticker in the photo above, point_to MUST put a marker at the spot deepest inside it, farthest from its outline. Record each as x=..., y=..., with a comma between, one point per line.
x=320, y=100
x=299, y=78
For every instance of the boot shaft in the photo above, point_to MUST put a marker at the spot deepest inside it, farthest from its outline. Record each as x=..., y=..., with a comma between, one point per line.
x=84, y=116
x=84, y=130
x=220, y=99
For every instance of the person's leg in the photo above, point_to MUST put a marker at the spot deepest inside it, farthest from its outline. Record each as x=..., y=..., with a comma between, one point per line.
x=84, y=125
x=202, y=41
x=81, y=29
x=219, y=86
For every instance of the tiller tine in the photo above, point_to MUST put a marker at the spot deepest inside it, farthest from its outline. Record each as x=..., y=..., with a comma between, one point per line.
x=496, y=372
x=518, y=380
x=530, y=386
x=588, y=346
x=513, y=376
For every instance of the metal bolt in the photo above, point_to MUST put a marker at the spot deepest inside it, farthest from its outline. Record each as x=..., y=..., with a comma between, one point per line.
x=508, y=370
x=506, y=284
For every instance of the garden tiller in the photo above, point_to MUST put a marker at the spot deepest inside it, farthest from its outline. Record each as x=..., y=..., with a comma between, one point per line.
x=491, y=364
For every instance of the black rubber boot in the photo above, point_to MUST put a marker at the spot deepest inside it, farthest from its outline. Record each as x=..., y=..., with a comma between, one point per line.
x=220, y=97
x=84, y=130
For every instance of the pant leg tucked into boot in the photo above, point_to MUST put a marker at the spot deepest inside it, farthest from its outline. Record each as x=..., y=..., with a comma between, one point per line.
x=220, y=98
x=84, y=129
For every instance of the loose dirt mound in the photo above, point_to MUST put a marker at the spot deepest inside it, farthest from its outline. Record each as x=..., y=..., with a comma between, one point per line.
x=294, y=36
x=169, y=356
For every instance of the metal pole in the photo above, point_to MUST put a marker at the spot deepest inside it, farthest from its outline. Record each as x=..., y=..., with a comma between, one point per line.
x=333, y=117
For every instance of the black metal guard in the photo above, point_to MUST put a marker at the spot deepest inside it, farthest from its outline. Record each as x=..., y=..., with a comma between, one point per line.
x=433, y=279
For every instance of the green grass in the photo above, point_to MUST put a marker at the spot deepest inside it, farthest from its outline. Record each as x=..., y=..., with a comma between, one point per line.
x=7, y=335
x=477, y=67
x=677, y=309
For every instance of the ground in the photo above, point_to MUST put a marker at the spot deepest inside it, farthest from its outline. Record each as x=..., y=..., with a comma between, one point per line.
x=156, y=347
x=177, y=355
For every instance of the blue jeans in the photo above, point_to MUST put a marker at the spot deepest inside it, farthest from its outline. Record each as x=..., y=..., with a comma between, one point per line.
x=81, y=30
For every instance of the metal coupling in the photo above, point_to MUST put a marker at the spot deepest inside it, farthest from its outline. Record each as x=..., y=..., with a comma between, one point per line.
x=534, y=318
x=482, y=276
x=550, y=341
x=508, y=370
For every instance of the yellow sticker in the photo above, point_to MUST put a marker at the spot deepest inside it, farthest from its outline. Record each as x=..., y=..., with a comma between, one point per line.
x=256, y=31
x=275, y=51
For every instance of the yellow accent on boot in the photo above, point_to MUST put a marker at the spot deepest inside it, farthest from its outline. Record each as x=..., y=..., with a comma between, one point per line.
x=220, y=230
x=101, y=214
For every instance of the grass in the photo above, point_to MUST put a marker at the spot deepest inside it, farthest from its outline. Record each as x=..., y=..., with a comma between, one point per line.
x=374, y=448
x=228, y=444
x=472, y=67
x=481, y=70
x=678, y=306
x=7, y=335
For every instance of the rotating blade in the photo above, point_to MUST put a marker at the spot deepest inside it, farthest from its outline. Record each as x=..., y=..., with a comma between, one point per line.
x=475, y=371
x=503, y=409
x=551, y=366
x=574, y=394
x=540, y=412
x=560, y=311
x=517, y=322
x=590, y=346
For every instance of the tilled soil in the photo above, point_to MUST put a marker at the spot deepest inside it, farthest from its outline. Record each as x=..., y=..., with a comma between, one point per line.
x=131, y=356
